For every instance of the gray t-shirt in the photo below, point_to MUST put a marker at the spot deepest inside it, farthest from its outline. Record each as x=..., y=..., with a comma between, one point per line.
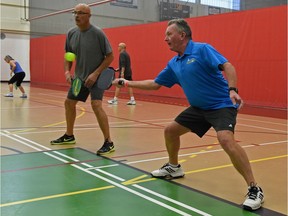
x=90, y=47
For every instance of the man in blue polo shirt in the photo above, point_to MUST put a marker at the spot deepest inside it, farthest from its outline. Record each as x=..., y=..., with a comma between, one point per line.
x=214, y=102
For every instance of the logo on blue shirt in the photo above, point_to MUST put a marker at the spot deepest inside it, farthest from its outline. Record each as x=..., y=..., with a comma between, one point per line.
x=189, y=61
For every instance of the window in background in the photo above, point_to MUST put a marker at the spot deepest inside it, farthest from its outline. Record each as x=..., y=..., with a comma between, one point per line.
x=190, y=1
x=230, y=4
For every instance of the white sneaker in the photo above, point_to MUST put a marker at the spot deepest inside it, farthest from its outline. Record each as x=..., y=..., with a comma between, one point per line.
x=113, y=101
x=8, y=95
x=131, y=102
x=167, y=171
x=255, y=197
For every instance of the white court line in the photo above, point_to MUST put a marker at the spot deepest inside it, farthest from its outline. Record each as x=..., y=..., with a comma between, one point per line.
x=261, y=121
x=264, y=128
x=171, y=200
x=108, y=180
x=135, y=192
x=204, y=152
x=22, y=142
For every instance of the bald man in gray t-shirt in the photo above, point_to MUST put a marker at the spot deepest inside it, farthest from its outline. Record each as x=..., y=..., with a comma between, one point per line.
x=93, y=54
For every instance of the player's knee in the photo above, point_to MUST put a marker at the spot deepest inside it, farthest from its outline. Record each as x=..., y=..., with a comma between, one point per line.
x=170, y=130
x=69, y=103
x=226, y=140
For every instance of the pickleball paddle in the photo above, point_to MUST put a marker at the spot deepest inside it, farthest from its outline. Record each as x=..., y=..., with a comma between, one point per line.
x=105, y=79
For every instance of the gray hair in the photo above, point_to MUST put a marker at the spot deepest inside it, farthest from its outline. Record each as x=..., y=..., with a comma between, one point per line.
x=182, y=26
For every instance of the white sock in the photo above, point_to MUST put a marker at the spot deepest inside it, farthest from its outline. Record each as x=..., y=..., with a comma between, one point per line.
x=173, y=165
x=132, y=98
x=115, y=98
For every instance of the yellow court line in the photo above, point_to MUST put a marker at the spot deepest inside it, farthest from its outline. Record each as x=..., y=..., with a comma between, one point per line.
x=83, y=111
x=137, y=180
x=230, y=165
x=56, y=196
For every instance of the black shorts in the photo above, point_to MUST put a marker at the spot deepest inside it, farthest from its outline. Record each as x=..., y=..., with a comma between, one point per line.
x=200, y=121
x=95, y=92
x=18, y=78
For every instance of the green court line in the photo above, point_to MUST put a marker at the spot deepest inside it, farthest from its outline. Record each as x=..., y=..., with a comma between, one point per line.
x=65, y=184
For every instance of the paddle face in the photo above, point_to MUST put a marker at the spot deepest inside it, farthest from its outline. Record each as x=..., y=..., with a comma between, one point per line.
x=76, y=86
x=105, y=79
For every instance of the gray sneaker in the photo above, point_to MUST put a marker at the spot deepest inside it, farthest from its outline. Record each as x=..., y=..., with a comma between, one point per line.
x=23, y=96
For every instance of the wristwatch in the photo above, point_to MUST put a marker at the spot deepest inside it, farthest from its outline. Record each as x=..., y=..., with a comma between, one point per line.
x=234, y=89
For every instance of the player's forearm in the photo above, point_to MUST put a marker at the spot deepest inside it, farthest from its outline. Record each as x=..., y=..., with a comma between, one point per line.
x=144, y=84
x=67, y=66
x=231, y=75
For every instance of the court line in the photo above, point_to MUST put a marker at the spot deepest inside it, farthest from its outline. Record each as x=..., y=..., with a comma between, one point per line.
x=264, y=128
x=261, y=121
x=137, y=193
x=201, y=152
x=230, y=165
x=168, y=199
x=56, y=196
x=83, y=112
x=104, y=179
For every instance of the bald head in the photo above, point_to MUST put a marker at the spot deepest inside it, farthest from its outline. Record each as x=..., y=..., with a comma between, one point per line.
x=122, y=45
x=82, y=14
x=83, y=7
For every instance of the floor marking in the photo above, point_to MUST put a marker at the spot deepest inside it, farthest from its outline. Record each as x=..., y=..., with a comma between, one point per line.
x=83, y=112
x=9, y=136
x=132, y=191
x=100, y=167
x=97, y=176
x=230, y=165
x=182, y=161
x=56, y=196
x=173, y=201
x=111, y=175
x=206, y=152
x=252, y=126
x=270, y=122
x=193, y=156
x=131, y=181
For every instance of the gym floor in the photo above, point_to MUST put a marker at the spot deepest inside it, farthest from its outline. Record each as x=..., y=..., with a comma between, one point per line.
x=40, y=179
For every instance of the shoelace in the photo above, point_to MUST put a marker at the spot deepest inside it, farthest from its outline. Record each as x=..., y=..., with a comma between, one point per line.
x=252, y=193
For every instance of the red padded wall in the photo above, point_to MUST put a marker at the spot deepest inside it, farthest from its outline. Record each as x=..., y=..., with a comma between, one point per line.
x=254, y=41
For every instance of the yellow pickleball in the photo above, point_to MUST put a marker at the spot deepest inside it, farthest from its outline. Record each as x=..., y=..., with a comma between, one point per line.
x=69, y=56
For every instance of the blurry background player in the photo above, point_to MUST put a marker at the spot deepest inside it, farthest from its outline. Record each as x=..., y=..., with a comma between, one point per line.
x=17, y=78
x=125, y=72
x=213, y=100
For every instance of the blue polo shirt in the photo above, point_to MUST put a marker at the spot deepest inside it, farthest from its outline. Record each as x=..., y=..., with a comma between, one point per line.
x=197, y=72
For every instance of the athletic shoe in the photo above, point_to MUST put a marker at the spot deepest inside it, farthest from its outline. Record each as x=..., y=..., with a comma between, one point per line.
x=107, y=147
x=113, y=102
x=23, y=96
x=167, y=171
x=8, y=95
x=131, y=102
x=255, y=197
x=65, y=139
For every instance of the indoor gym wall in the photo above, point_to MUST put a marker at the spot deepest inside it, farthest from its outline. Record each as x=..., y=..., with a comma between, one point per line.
x=254, y=41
